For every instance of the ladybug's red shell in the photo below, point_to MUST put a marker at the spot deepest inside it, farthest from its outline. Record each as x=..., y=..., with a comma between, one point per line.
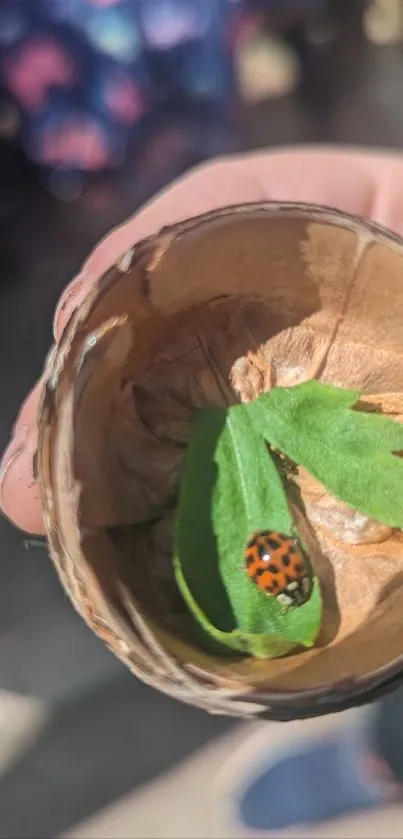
x=277, y=565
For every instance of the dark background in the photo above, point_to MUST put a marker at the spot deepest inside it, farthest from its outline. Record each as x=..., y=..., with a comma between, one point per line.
x=106, y=733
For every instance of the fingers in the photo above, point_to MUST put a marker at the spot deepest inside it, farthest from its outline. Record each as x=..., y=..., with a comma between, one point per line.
x=364, y=184
x=19, y=497
x=337, y=179
x=19, y=494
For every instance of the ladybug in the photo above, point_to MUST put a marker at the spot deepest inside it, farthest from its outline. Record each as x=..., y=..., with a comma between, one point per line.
x=277, y=566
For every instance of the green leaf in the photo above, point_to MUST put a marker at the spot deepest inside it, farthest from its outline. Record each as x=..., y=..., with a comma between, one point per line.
x=351, y=452
x=230, y=487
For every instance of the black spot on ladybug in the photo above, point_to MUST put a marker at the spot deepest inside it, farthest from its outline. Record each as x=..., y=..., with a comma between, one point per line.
x=299, y=567
x=274, y=544
x=249, y=560
x=275, y=584
x=289, y=579
x=274, y=569
x=259, y=572
x=286, y=560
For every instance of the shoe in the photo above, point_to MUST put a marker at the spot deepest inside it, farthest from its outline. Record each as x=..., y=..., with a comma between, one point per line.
x=272, y=791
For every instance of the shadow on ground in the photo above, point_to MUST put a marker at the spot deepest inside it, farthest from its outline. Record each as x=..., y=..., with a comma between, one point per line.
x=95, y=750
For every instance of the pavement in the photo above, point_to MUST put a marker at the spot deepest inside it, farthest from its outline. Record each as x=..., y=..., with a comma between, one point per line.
x=186, y=803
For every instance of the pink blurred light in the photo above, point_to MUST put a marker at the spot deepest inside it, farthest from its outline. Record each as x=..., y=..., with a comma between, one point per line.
x=104, y=2
x=40, y=64
x=75, y=143
x=125, y=101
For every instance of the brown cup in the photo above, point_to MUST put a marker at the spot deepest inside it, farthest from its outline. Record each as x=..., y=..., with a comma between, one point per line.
x=211, y=311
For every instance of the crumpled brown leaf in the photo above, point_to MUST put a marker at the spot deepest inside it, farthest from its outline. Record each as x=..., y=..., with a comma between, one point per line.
x=211, y=311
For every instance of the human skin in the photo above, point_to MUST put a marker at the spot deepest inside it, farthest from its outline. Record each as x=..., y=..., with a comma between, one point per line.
x=367, y=183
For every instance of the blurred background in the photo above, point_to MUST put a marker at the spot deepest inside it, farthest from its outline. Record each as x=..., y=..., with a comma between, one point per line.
x=102, y=103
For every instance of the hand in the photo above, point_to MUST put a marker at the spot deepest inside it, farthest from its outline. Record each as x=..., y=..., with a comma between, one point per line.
x=366, y=183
